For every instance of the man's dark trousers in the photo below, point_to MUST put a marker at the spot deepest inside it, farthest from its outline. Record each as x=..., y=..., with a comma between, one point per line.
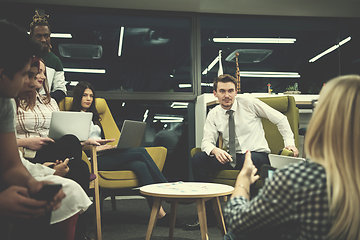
x=202, y=165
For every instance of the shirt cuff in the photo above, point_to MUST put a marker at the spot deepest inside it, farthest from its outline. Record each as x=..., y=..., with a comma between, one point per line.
x=289, y=142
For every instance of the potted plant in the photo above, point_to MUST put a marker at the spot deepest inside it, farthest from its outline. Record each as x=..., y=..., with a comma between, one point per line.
x=292, y=89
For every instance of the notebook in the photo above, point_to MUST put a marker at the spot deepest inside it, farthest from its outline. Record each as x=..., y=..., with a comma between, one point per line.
x=279, y=161
x=76, y=123
x=131, y=136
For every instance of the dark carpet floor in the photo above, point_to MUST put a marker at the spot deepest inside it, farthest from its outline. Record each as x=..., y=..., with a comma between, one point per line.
x=130, y=221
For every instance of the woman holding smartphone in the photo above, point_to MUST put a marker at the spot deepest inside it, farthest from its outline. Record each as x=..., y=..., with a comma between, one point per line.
x=76, y=200
x=315, y=199
x=33, y=121
x=32, y=127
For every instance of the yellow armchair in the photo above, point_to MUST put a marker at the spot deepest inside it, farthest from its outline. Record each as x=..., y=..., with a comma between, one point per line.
x=284, y=104
x=114, y=183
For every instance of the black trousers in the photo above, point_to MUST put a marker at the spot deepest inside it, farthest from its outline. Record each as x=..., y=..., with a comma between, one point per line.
x=66, y=147
x=202, y=165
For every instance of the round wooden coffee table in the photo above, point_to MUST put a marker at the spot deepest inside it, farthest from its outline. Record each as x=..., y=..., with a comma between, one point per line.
x=198, y=192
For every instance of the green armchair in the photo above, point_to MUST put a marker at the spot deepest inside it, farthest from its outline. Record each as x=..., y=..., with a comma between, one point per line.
x=113, y=183
x=284, y=104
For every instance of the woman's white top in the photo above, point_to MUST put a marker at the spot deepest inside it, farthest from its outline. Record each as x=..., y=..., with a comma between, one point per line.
x=95, y=131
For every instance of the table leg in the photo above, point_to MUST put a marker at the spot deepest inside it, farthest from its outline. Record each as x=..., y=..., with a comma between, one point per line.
x=152, y=221
x=219, y=215
x=202, y=218
x=174, y=205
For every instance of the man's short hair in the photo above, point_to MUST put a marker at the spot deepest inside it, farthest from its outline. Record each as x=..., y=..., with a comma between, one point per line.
x=16, y=48
x=224, y=78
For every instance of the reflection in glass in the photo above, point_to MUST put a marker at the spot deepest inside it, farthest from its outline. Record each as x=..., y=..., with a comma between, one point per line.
x=271, y=51
x=136, y=53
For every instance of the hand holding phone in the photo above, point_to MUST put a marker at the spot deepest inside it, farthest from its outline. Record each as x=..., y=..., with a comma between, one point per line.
x=47, y=192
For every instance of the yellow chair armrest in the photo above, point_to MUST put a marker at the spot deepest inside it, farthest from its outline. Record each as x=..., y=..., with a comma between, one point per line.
x=158, y=154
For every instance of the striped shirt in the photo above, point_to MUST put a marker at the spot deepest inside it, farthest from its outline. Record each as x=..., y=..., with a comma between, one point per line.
x=36, y=122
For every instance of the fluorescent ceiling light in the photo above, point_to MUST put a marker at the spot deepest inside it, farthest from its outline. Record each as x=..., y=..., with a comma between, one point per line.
x=121, y=38
x=270, y=74
x=145, y=115
x=59, y=35
x=254, y=40
x=184, y=85
x=73, y=83
x=159, y=117
x=330, y=49
x=202, y=84
x=262, y=74
x=83, y=70
x=168, y=120
x=207, y=84
x=211, y=65
x=179, y=105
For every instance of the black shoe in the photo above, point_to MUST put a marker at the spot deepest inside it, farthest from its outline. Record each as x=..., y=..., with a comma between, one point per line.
x=165, y=222
x=196, y=225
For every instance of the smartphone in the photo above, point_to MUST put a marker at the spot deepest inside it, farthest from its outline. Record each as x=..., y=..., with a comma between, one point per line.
x=53, y=165
x=47, y=192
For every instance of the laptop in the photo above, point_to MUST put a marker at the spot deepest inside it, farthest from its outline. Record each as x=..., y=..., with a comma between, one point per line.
x=132, y=133
x=75, y=123
x=279, y=161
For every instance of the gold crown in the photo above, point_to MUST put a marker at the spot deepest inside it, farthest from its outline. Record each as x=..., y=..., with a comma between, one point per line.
x=39, y=19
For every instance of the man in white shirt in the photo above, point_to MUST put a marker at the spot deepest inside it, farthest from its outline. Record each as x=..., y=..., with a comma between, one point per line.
x=249, y=132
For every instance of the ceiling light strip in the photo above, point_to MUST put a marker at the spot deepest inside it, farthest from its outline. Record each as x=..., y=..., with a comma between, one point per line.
x=146, y=114
x=167, y=117
x=179, y=105
x=83, y=70
x=269, y=75
x=59, y=35
x=174, y=104
x=169, y=121
x=121, y=38
x=207, y=84
x=254, y=40
x=73, y=83
x=330, y=49
x=185, y=85
x=211, y=65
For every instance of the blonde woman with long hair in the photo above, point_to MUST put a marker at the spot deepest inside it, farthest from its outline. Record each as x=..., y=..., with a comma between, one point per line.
x=315, y=199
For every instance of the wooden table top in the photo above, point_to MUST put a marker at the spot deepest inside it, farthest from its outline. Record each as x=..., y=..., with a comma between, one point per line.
x=186, y=190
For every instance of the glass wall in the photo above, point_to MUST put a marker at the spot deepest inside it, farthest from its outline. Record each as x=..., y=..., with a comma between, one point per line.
x=280, y=51
x=117, y=51
x=137, y=53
